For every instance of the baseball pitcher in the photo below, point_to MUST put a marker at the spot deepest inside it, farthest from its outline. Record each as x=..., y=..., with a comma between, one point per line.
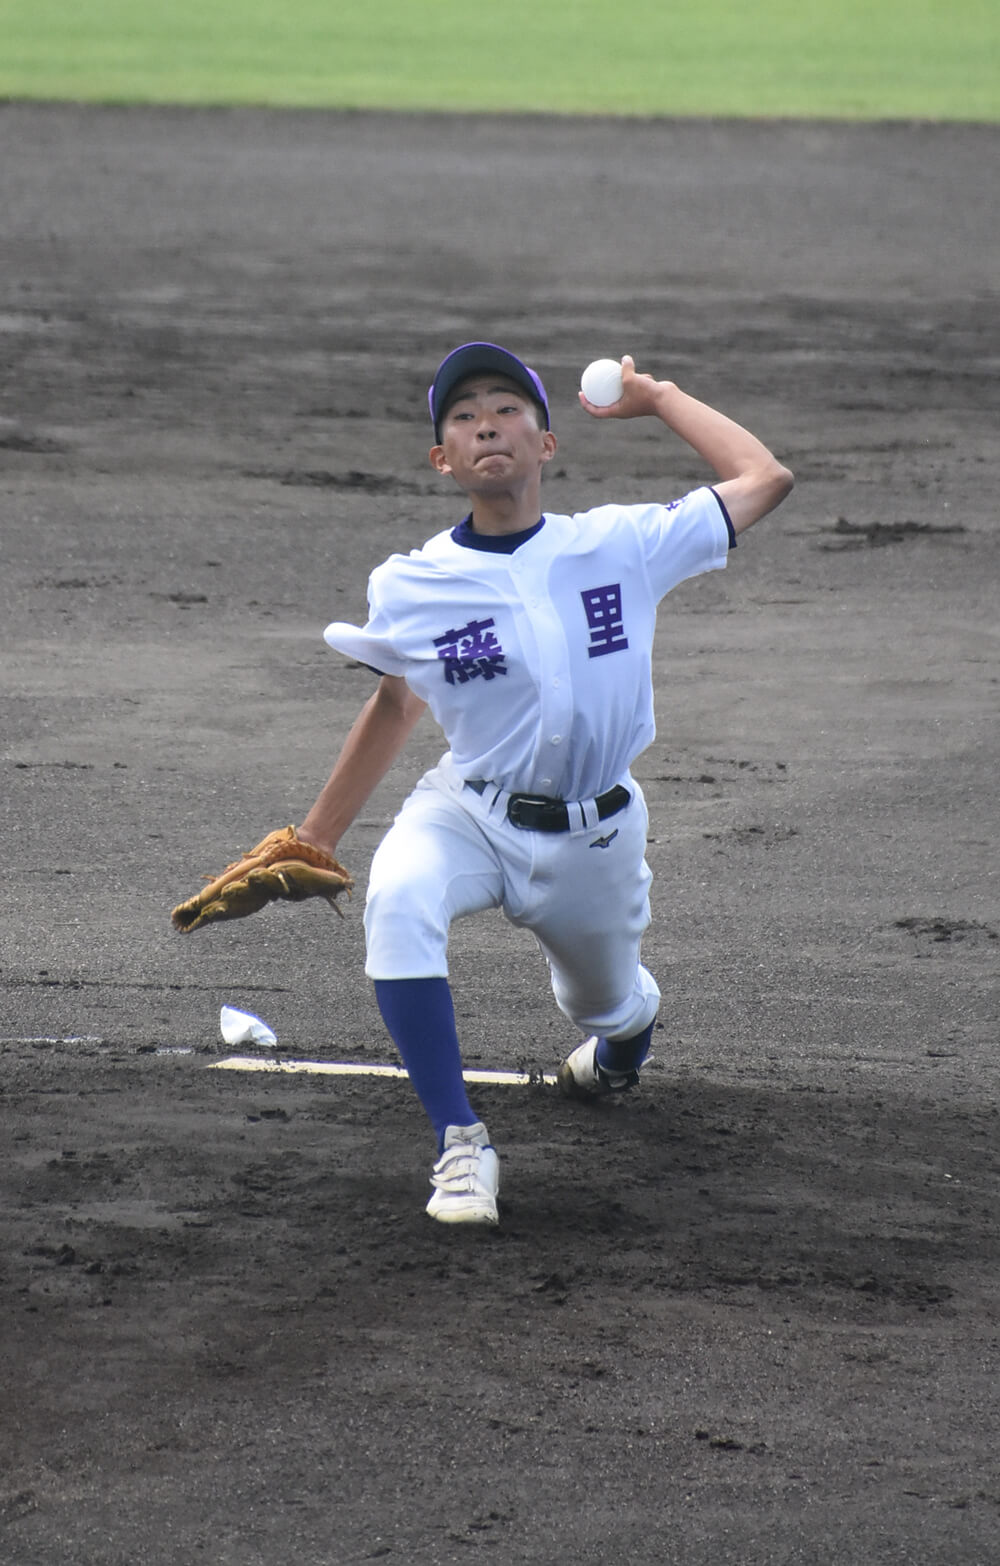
x=529, y=636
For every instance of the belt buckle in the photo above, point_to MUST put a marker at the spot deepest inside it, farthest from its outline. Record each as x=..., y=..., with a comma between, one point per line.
x=537, y=813
x=514, y=809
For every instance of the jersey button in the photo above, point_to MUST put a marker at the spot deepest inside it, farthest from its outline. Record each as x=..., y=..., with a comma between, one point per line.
x=557, y=739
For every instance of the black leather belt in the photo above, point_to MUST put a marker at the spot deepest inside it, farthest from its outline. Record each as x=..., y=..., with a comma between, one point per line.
x=539, y=813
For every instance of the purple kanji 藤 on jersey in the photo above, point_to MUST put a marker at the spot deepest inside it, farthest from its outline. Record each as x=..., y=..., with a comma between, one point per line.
x=471, y=651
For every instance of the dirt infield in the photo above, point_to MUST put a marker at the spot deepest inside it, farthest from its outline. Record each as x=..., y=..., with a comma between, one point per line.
x=748, y=1315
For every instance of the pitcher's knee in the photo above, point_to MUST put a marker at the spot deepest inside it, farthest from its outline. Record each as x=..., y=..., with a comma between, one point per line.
x=612, y=1019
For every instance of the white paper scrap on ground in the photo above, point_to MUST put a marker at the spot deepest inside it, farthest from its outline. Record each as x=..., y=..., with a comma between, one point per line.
x=334, y=1068
x=241, y=1027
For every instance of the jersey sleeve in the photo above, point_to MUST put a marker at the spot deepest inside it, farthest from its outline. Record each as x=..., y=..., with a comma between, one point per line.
x=372, y=643
x=684, y=538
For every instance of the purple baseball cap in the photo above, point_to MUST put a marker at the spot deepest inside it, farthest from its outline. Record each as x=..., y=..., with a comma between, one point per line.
x=481, y=359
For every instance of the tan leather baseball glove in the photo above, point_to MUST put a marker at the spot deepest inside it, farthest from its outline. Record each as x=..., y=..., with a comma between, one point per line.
x=281, y=866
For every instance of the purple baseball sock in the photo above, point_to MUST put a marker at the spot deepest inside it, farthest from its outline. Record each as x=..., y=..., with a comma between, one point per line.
x=622, y=1055
x=421, y=1020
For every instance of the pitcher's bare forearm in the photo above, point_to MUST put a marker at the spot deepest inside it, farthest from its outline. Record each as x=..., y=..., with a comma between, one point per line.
x=753, y=481
x=725, y=445
x=376, y=738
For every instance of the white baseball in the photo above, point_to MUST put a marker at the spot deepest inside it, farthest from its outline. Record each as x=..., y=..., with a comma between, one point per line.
x=601, y=382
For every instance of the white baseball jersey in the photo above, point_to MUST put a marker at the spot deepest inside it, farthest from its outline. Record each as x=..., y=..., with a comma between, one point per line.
x=536, y=662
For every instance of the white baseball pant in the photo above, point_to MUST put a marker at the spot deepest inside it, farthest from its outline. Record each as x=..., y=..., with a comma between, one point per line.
x=451, y=853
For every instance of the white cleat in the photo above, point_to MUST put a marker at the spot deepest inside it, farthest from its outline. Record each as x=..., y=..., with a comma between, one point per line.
x=466, y=1178
x=581, y=1077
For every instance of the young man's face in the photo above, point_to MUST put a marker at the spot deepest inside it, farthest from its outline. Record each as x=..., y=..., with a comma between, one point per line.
x=491, y=436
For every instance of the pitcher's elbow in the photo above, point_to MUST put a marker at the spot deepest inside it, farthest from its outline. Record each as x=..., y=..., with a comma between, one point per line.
x=779, y=483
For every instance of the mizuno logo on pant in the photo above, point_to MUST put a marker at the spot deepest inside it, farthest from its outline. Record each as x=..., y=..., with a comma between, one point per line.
x=603, y=842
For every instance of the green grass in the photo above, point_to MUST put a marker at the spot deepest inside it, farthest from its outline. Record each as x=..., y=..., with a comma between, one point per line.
x=870, y=59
